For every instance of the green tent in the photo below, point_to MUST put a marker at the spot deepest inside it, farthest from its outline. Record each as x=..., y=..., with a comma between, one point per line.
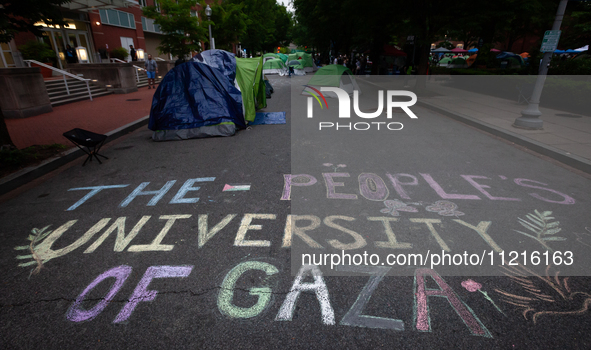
x=444, y=62
x=329, y=75
x=274, y=66
x=273, y=55
x=335, y=75
x=249, y=76
x=292, y=63
x=283, y=57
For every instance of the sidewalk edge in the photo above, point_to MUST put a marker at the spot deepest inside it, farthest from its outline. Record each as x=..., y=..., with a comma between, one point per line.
x=536, y=146
x=21, y=177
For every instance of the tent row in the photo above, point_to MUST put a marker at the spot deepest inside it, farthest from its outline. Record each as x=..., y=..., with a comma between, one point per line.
x=214, y=94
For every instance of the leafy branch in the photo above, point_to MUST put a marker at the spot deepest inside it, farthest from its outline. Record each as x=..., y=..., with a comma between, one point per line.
x=36, y=236
x=543, y=227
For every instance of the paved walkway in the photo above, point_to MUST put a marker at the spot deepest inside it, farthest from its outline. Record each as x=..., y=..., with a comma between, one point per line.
x=567, y=134
x=103, y=114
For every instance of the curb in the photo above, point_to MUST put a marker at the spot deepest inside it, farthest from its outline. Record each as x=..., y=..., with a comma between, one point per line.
x=29, y=174
x=549, y=151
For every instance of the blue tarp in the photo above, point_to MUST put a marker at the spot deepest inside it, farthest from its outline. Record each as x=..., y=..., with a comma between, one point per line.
x=195, y=100
x=266, y=118
x=223, y=60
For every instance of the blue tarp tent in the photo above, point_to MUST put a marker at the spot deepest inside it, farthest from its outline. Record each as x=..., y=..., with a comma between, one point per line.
x=223, y=60
x=196, y=100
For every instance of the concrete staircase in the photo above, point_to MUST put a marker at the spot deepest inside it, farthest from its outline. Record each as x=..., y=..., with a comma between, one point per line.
x=144, y=80
x=56, y=89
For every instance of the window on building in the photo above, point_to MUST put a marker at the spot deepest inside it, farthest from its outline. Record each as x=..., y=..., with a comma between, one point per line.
x=149, y=26
x=117, y=18
x=143, y=3
x=194, y=13
x=157, y=5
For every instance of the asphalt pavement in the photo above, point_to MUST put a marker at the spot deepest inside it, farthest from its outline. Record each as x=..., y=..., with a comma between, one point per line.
x=190, y=244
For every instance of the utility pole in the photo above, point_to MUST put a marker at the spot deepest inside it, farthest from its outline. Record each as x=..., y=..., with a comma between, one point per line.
x=530, y=117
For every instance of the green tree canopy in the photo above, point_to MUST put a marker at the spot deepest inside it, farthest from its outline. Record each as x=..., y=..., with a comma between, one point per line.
x=182, y=31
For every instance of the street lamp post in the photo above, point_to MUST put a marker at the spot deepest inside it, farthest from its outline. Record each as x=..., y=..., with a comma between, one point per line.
x=530, y=117
x=208, y=14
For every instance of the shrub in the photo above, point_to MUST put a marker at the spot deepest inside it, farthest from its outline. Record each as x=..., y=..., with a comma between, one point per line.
x=120, y=53
x=38, y=51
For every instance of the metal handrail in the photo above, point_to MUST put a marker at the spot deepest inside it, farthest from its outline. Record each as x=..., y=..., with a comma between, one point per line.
x=64, y=73
x=159, y=59
x=137, y=76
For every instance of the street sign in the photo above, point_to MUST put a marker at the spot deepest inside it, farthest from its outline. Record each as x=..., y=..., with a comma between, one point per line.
x=550, y=41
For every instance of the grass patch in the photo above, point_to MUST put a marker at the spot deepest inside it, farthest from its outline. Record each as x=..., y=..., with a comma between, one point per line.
x=14, y=160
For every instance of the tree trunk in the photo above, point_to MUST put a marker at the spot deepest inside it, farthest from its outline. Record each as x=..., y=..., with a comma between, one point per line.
x=4, y=135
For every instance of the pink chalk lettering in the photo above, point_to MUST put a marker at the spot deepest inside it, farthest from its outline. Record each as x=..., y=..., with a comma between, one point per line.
x=288, y=183
x=77, y=314
x=481, y=188
x=395, y=179
x=330, y=186
x=141, y=293
x=422, y=294
x=567, y=199
x=434, y=185
x=379, y=193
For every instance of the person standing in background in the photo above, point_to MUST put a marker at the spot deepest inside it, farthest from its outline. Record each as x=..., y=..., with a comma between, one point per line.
x=132, y=53
x=151, y=67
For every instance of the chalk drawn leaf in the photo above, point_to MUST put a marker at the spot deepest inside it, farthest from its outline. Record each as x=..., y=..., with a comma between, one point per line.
x=543, y=295
x=542, y=226
x=36, y=236
x=327, y=164
x=554, y=239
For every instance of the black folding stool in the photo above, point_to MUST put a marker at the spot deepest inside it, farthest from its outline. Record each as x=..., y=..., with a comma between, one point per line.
x=92, y=141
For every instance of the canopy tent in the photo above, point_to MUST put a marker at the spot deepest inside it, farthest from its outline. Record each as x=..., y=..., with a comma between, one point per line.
x=223, y=60
x=571, y=51
x=283, y=57
x=472, y=50
x=559, y=51
x=390, y=50
x=581, y=49
x=249, y=77
x=334, y=75
x=458, y=50
x=269, y=56
x=274, y=66
x=495, y=50
x=524, y=55
x=195, y=100
x=441, y=50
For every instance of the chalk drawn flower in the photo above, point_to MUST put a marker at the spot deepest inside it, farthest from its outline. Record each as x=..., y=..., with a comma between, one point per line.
x=393, y=207
x=444, y=208
x=341, y=166
x=327, y=164
x=471, y=285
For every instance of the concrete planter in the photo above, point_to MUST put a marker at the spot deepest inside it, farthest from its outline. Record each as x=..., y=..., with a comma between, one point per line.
x=117, y=77
x=23, y=93
x=164, y=67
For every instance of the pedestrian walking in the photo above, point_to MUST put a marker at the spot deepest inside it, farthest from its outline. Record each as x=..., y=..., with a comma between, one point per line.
x=132, y=53
x=151, y=67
